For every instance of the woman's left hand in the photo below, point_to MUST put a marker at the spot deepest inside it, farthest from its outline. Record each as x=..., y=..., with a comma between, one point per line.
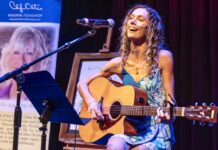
x=161, y=115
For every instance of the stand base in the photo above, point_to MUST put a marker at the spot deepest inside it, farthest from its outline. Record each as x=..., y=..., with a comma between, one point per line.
x=43, y=136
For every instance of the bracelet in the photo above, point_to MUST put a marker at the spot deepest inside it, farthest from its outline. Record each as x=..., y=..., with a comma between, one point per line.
x=92, y=105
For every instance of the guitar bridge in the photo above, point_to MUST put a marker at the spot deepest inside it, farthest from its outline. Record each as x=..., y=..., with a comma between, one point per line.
x=101, y=123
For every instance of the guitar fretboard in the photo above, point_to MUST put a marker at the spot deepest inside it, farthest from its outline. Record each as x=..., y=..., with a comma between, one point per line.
x=152, y=110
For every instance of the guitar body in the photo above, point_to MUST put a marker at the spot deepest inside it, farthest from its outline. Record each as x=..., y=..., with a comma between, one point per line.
x=111, y=96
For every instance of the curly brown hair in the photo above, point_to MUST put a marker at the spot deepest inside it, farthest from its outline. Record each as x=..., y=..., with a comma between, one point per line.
x=154, y=36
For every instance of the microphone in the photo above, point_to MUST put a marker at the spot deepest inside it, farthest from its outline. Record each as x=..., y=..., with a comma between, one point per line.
x=96, y=23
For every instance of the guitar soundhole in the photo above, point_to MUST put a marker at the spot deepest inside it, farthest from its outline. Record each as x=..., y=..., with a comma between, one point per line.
x=115, y=110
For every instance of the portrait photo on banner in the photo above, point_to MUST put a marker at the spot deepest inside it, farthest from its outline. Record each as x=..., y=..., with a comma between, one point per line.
x=20, y=45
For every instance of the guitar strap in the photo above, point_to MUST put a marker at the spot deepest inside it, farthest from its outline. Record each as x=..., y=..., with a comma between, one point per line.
x=167, y=103
x=171, y=110
x=170, y=106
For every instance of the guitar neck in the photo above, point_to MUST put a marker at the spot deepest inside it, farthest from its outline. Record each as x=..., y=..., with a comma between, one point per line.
x=152, y=111
x=122, y=105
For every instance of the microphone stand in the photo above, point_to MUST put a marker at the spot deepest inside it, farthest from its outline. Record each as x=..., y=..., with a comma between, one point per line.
x=18, y=76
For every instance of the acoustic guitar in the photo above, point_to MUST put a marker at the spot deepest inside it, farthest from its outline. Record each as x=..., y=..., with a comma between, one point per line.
x=117, y=102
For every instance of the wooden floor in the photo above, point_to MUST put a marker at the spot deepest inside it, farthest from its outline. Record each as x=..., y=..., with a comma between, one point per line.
x=81, y=148
x=81, y=145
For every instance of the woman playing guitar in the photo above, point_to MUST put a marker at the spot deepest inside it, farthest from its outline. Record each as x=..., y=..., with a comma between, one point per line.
x=143, y=63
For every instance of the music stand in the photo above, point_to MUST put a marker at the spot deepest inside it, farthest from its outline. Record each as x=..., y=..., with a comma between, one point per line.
x=49, y=101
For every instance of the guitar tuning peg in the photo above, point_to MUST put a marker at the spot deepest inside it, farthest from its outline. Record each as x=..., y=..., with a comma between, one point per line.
x=204, y=104
x=210, y=124
x=202, y=124
x=193, y=122
x=212, y=104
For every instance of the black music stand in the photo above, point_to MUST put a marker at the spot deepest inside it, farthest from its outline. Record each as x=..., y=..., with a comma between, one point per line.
x=49, y=101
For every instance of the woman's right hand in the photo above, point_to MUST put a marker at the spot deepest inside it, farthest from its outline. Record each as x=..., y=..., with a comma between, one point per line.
x=95, y=111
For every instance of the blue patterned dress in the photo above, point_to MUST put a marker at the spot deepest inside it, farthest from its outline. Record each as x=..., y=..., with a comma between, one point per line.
x=154, y=136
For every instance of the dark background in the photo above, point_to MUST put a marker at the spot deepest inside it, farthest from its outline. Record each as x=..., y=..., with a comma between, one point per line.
x=192, y=35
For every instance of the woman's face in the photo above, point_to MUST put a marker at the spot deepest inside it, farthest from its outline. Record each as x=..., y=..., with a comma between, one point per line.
x=14, y=57
x=136, y=24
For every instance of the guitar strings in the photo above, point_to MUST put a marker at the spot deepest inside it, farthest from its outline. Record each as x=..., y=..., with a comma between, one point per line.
x=119, y=109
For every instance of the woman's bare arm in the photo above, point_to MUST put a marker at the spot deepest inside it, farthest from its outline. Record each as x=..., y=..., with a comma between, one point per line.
x=112, y=67
x=166, y=66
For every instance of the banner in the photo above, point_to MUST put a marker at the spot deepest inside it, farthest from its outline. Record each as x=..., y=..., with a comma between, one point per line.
x=29, y=29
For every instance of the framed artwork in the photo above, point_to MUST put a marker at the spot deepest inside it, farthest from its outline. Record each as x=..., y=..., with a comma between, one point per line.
x=84, y=65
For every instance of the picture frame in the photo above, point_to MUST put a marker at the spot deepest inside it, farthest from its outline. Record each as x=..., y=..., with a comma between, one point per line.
x=84, y=64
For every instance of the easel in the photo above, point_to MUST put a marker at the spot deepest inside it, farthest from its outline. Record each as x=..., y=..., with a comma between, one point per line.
x=106, y=45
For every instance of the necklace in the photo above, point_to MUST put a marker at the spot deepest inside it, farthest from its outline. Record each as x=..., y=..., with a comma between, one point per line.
x=138, y=68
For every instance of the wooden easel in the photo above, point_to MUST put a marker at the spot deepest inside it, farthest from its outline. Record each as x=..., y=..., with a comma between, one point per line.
x=106, y=45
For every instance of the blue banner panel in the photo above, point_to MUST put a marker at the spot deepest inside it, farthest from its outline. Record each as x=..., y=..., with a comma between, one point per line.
x=30, y=11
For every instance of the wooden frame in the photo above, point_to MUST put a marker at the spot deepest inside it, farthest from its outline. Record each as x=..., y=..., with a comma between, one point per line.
x=65, y=134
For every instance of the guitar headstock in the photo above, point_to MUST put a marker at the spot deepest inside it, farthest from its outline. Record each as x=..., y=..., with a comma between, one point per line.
x=202, y=113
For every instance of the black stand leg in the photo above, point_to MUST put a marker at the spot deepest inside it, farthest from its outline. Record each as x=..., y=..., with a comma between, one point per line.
x=17, y=125
x=44, y=120
x=17, y=112
x=43, y=136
